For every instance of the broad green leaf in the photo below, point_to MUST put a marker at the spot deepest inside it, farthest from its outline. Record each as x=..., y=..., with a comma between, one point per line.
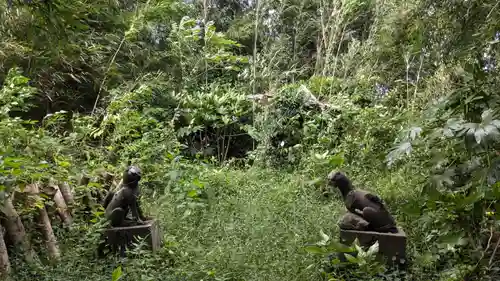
x=373, y=249
x=198, y=183
x=495, y=191
x=174, y=175
x=324, y=238
x=338, y=247
x=321, y=156
x=473, y=197
x=351, y=259
x=314, y=182
x=313, y=249
x=472, y=98
x=192, y=193
x=64, y=164
x=117, y=274
x=336, y=161
x=453, y=239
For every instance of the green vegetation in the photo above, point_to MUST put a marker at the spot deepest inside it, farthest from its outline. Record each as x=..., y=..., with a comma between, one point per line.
x=236, y=110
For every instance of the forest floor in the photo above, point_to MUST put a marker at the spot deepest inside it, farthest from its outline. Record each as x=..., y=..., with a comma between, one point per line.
x=256, y=226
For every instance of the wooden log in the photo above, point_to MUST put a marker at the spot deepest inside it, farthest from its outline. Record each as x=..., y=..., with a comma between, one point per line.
x=48, y=234
x=61, y=207
x=4, y=256
x=36, y=189
x=16, y=231
x=67, y=193
x=30, y=189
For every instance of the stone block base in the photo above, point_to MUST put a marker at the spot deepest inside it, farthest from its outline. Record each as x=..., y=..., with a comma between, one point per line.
x=392, y=246
x=123, y=237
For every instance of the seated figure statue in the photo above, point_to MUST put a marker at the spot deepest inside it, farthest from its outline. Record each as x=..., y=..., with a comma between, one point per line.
x=366, y=211
x=126, y=199
x=118, y=206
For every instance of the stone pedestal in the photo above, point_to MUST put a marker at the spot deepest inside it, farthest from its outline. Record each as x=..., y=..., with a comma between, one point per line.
x=123, y=237
x=392, y=246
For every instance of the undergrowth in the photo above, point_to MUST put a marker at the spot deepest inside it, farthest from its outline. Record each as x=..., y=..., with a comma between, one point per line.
x=236, y=111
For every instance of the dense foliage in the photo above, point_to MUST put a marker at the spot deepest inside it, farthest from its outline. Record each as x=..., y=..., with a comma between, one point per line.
x=237, y=109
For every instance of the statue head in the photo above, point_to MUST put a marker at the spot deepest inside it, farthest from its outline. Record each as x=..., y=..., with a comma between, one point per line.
x=339, y=180
x=132, y=175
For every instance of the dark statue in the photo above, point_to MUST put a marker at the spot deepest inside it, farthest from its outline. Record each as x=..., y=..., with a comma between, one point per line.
x=118, y=205
x=367, y=212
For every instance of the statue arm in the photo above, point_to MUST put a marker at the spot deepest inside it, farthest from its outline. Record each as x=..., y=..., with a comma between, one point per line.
x=355, y=211
x=139, y=209
x=135, y=213
x=375, y=199
x=351, y=208
x=108, y=199
x=350, y=204
x=134, y=209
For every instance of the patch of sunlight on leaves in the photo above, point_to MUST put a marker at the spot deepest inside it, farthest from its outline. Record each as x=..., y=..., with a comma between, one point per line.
x=117, y=274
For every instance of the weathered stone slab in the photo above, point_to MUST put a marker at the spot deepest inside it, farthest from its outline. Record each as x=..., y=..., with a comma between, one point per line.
x=392, y=246
x=123, y=237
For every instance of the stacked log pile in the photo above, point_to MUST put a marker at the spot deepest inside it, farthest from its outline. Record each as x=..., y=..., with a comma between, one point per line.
x=13, y=234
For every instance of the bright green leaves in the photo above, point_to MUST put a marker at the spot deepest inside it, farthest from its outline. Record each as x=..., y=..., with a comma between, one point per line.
x=405, y=147
x=15, y=93
x=328, y=246
x=117, y=274
x=488, y=128
x=364, y=259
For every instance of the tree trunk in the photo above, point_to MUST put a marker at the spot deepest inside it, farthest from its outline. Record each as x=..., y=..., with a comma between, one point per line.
x=15, y=230
x=4, y=256
x=67, y=193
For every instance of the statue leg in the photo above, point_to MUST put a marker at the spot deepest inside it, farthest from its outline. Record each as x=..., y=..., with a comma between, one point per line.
x=117, y=217
x=100, y=249
x=103, y=245
x=129, y=222
x=351, y=221
x=373, y=217
x=108, y=199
